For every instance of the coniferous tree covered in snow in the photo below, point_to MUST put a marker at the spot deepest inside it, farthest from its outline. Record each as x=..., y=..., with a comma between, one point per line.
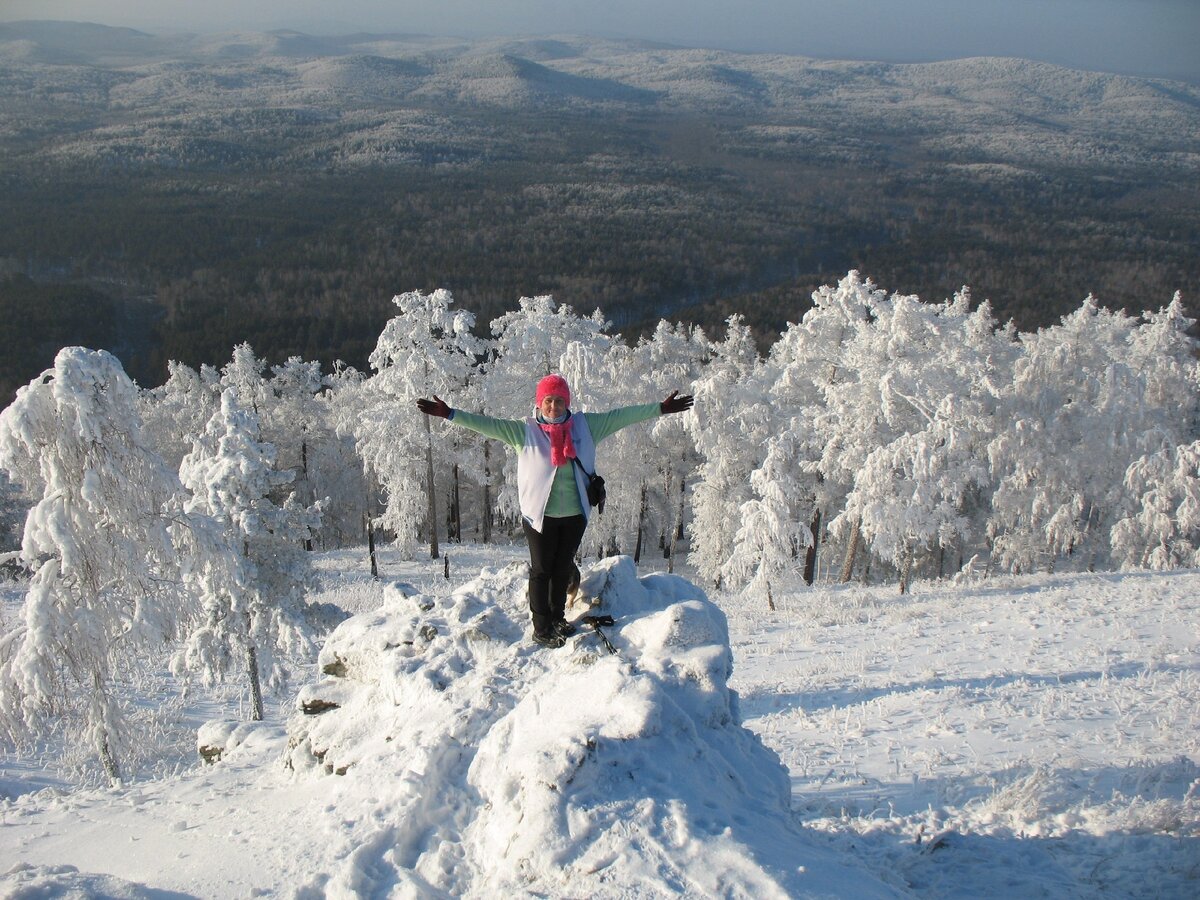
x=824, y=379
x=245, y=560
x=730, y=424
x=105, y=570
x=335, y=470
x=771, y=537
x=801, y=366
x=1161, y=527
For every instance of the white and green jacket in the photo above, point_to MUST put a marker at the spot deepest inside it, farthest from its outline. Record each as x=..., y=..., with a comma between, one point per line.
x=545, y=489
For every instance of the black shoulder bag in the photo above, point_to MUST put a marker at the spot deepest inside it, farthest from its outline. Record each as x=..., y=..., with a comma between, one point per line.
x=595, y=487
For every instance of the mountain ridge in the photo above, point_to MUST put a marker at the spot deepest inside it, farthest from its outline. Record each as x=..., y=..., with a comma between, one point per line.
x=269, y=182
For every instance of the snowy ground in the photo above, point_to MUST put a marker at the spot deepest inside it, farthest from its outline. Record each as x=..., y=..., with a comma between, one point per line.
x=1009, y=738
x=1014, y=738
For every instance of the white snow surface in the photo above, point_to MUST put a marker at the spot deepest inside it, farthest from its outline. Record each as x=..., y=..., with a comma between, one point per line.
x=1014, y=737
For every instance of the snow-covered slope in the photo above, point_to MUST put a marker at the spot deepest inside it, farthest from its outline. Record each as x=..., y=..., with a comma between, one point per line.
x=1011, y=737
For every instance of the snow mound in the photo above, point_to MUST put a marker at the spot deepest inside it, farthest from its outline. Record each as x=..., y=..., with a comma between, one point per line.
x=216, y=739
x=488, y=765
x=26, y=882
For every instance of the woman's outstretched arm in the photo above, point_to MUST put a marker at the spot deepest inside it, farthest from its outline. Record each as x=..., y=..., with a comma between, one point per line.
x=602, y=425
x=507, y=430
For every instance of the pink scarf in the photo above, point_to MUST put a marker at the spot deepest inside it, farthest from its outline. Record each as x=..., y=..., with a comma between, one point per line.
x=562, y=448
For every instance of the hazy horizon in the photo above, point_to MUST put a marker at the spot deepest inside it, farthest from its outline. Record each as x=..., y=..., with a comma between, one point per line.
x=1149, y=37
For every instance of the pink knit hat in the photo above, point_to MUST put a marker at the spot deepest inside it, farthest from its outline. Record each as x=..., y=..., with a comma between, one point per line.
x=553, y=386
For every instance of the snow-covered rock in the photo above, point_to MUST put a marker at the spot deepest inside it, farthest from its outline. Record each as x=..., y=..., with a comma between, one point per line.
x=488, y=760
x=220, y=737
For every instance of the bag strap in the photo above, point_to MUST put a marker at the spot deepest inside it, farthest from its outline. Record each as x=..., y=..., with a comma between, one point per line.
x=575, y=460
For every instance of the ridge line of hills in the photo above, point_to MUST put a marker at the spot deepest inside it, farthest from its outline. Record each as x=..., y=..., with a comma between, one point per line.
x=280, y=188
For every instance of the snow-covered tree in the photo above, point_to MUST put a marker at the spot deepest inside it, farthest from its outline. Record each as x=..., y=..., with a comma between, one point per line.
x=246, y=374
x=802, y=366
x=1166, y=357
x=1084, y=402
x=730, y=424
x=176, y=412
x=930, y=374
x=844, y=424
x=427, y=349
x=669, y=360
x=297, y=427
x=768, y=543
x=532, y=341
x=908, y=496
x=246, y=558
x=105, y=571
x=334, y=467
x=1164, y=531
x=1159, y=527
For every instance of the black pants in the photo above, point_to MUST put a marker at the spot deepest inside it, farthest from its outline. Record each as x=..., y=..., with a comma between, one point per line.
x=551, y=563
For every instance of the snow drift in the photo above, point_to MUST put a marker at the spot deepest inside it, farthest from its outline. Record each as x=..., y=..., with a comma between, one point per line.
x=483, y=763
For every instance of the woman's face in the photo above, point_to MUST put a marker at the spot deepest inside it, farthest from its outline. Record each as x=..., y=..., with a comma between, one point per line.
x=552, y=407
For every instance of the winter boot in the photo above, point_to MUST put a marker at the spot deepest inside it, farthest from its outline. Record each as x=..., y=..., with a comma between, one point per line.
x=563, y=628
x=550, y=639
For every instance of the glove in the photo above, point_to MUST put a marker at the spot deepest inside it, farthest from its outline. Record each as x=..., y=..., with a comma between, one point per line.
x=435, y=407
x=676, y=404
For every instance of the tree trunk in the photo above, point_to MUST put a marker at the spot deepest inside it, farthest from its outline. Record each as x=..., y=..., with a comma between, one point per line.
x=108, y=759
x=770, y=599
x=434, y=553
x=851, y=552
x=486, y=512
x=906, y=567
x=677, y=531
x=308, y=544
x=810, y=558
x=256, y=699
x=456, y=507
x=637, y=549
x=371, y=545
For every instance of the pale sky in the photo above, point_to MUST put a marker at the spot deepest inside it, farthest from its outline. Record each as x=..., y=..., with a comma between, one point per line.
x=1155, y=37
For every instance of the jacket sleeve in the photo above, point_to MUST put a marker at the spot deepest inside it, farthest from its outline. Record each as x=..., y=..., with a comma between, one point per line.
x=510, y=431
x=605, y=424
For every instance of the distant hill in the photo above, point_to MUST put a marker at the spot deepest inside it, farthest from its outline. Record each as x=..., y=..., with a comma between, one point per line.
x=295, y=182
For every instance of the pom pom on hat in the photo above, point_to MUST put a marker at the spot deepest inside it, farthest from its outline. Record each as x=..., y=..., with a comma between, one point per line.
x=553, y=386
